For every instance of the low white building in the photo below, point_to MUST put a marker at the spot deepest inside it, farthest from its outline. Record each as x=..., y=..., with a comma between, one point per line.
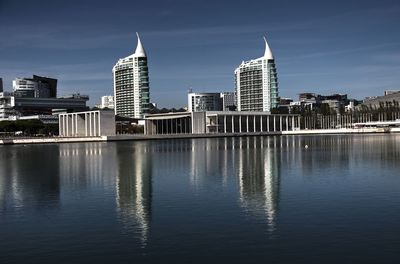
x=87, y=124
x=235, y=122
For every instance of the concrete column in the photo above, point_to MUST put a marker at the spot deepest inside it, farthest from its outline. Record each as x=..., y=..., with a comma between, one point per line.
x=60, y=129
x=166, y=126
x=293, y=122
x=240, y=123
x=287, y=123
x=233, y=123
x=67, y=122
x=224, y=123
x=268, y=123
x=274, y=123
x=247, y=123
x=261, y=123
x=99, y=123
x=72, y=124
x=254, y=123
x=90, y=125
x=60, y=126
x=280, y=123
x=86, y=125
x=76, y=124
x=174, y=125
x=94, y=124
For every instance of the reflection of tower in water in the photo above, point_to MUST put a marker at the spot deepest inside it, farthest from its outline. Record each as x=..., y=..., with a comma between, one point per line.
x=134, y=188
x=259, y=178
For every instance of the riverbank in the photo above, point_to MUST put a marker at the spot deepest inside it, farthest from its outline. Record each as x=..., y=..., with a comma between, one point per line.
x=12, y=141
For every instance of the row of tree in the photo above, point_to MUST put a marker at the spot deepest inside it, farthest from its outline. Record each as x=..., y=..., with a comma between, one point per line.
x=28, y=128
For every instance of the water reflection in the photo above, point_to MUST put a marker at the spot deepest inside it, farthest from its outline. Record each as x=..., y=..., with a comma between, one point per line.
x=254, y=161
x=27, y=179
x=259, y=178
x=134, y=188
x=89, y=165
x=211, y=161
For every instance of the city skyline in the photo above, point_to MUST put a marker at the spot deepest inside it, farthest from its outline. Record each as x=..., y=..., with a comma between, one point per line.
x=350, y=48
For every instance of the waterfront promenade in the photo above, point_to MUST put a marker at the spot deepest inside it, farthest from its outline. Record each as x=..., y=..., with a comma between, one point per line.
x=136, y=137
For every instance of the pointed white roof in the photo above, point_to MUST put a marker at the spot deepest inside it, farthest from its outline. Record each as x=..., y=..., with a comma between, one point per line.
x=268, y=53
x=140, y=52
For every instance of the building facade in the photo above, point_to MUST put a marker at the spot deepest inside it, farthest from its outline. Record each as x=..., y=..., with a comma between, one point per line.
x=220, y=122
x=131, y=84
x=12, y=107
x=87, y=124
x=257, y=83
x=107, y=101
x=228, y=101
x=36, y=87
x=198, y=102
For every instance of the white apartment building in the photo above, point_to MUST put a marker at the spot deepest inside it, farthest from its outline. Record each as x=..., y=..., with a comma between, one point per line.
x=131, y=84
x=257, y=83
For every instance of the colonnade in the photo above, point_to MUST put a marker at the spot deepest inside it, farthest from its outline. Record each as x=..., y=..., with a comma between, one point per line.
x=179, y=125
x=85, y=124
x=221, y=123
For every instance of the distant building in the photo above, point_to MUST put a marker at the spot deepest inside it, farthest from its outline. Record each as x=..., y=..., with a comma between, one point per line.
x=36, y=87
x=228, y=101
x=284, y=104
x=336, y=102
x=107, y=101
x=388, y=92
x=378, y=101
x=199, y=102
x=1, y=85
x=13, y=106
x=131, y=84
x=257, y=83
x=309, y=98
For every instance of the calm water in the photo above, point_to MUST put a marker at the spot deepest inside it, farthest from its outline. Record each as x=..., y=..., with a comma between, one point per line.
x=231, y=200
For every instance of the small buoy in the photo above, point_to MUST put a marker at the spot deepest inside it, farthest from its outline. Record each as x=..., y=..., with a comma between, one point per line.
x=306, y=146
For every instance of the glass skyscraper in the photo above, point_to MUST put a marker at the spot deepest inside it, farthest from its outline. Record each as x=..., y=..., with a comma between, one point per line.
x=131, y=84
x=257, y=83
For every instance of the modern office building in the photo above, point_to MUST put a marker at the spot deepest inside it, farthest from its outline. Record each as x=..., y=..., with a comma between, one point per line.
x=36, y=87
x=131, y=84
x=199, y=102
x=257, y=83
x=228, y=101
x=107, y=101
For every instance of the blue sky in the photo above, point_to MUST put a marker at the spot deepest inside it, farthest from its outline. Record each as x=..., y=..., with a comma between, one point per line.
x=320, y=46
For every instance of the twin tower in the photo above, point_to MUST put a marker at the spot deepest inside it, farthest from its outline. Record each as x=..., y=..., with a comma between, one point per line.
x=256, y=84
